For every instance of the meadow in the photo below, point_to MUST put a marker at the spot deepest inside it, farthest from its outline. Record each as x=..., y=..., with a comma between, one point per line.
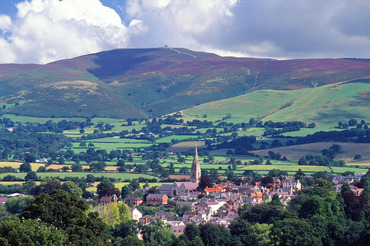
x=122, y=176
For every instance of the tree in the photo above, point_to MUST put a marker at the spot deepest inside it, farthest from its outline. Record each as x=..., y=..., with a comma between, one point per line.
x=265, y=181
x=29, y=158
x=191, y=231
x=302, y=161
x=114, y=213
x=121, y=163
x=25, y=167
x=294, y=232
x=214, y=174
x=275, y=200
x=134, y=184
x=265, y=213
x=67, y=212
x=157, y=234
x=214, y=235
x=357, y=157
x=241, y=228
x=205, y=181
x=76, y=168
x=260, y=234
x=197, y=241
x=98, y=166
x=61, y=160
x=90, y=179
x=352, y=122
x=15, y=205
x=105, y=183
x=352, y=206
x=132, y=241
x=31, y=176
x=274, y=173
x=30, y=232
x=72, y=188
x=125, y=191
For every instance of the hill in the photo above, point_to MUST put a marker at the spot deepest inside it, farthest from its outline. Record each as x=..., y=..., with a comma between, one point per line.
x=323, y=105
x=157, y=81
x=295, y=152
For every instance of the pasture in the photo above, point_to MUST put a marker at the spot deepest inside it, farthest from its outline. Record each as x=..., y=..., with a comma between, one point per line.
x=295, y=152
x=121, y=176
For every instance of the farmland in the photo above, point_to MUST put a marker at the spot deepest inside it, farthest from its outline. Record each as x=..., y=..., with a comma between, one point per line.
x=168, y=150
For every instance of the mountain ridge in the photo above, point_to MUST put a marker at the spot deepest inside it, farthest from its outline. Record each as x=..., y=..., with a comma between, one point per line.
x=158, y=81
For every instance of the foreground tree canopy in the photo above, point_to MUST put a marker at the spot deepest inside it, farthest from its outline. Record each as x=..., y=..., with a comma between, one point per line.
x=65, y=211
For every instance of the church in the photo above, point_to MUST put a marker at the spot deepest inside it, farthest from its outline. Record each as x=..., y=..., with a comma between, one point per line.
x=178, y=188
x=195, y=172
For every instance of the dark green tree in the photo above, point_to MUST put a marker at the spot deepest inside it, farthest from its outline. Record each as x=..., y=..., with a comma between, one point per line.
x=15, y=205
x=67, y=212
x=125, y=191
x=191, y=231
x=132, y=241
x=241, y=228
x=30, y=232
x=205, y=181
x=134, y=184
x=105, y=183
x=294, y=232
x=275, y=200
x=25, y=167
x=31, y=176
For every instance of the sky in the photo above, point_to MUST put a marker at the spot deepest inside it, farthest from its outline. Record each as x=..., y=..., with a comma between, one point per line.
x=42, y=31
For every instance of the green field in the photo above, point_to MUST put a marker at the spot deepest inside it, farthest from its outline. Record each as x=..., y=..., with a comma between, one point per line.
x=325, y=105
x=121, y=176
x=176, y=137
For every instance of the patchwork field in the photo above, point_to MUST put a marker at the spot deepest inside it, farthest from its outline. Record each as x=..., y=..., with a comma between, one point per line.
x=295, y=152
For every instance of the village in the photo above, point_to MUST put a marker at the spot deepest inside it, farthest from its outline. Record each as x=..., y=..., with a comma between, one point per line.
x=218, y=204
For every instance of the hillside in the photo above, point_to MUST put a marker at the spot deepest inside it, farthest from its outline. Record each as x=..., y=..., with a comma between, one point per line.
x=295, y=152
x=157, y=81
x=323, y=105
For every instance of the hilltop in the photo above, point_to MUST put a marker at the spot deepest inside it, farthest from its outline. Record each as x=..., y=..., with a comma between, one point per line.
x=152, y=82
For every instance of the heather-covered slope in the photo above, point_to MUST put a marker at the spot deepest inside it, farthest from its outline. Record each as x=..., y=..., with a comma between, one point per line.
x=153, y=82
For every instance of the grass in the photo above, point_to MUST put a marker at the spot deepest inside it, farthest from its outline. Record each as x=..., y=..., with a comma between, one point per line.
x=121, y=176
x=325, y=105
x=295, y=152
x=176, y=137
x=34, y=166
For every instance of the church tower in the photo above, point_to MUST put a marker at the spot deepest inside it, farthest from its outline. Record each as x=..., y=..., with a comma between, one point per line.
x=195, y=169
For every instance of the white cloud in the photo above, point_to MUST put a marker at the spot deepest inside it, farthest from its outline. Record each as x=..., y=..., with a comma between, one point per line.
x=259, y=28
x=47, y=30
x=5, y=22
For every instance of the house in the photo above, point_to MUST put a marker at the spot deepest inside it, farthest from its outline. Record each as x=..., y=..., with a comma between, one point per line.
x=133, y=201
x=135, y=214
x=179, y=188
x=108, y=199
x=3, y=200
x=105, y=199
x=16, y=195
x=166, y=189
x=291, y=183
x=209, y=190
x=157, y=198
x=178, y=227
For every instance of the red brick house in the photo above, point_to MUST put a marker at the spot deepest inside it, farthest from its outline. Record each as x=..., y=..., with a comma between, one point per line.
x=132, y=200
x=156, y=198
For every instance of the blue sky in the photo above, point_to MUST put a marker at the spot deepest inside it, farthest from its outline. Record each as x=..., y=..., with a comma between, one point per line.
x=41, y=31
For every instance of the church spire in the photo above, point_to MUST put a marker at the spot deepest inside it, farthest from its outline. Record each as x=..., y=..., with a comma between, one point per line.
x=195, y=168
